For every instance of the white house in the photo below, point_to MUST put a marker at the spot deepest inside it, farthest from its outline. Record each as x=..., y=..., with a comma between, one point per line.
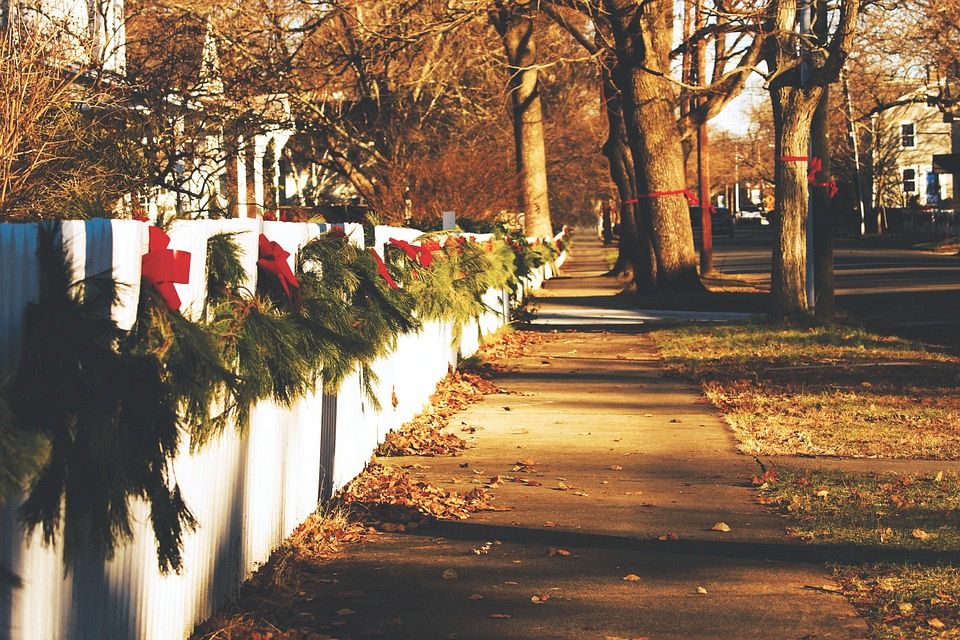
x=919, y=132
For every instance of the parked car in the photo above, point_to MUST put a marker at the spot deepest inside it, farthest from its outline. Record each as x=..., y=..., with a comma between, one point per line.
x=721, y=221
x=752, y=216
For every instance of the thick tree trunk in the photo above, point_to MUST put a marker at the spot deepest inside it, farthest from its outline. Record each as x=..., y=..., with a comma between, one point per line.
x=825, y=307
x=517, y=30
x=792, y=113
x=636, y=257
x=643, y=37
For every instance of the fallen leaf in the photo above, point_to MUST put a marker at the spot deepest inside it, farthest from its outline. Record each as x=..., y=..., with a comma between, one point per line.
x=823, y=493
x=345, y=612
x=936, y=623
x=701, y=590
x=562, y=487
x=631, y=577
x=553, y=551
x=938, y=477
x=549, y=524
x=920, y=534
x=721, y=526
x=768, y=476
x=905, y=607
x=668, y=536
x=581, y=493
x=449, y=574
x=511, y=582
x=539, y=598
x=616, y=467
x=500, y=615
x=506, y=409
x=476, y=596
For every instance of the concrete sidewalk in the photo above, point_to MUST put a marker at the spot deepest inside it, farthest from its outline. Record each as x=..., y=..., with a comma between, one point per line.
x=616, y=454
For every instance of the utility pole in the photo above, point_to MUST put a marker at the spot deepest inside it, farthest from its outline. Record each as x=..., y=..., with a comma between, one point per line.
x=851, y=129
x=805, y=33
x=736, y=182
x=703, y=153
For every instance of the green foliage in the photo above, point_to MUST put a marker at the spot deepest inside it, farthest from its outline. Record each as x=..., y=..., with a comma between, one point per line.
x=108, y=414
x=95, y=412
x=333, y=272
x=22, y=453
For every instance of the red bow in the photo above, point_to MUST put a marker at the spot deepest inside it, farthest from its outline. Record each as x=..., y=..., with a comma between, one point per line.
x=273, y=258
x=422, y=255
x=382, y=270
x=816, y=166
x=162, y=267
x=337, y=232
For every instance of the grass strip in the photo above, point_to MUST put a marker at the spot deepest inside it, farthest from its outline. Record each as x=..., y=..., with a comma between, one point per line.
x=882, y=515
x=829, y=391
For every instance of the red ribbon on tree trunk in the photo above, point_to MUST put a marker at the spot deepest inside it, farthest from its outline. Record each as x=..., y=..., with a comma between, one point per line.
x=162, y=267
x=273, y=258
x=815, y=166
x=382, y=270
x=689, y=195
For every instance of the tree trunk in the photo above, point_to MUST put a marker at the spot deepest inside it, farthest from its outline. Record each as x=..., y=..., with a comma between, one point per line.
x=643, y=35
x=636, y=257
x=792, y=113
x=822, y=214
x=516, y=31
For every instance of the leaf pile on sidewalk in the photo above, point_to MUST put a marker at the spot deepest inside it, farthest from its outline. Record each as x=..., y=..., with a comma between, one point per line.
x=423, y=436
x=513, y=344
x=390, y=499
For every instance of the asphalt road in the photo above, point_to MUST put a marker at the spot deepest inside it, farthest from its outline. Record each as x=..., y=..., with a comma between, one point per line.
x=915, y=294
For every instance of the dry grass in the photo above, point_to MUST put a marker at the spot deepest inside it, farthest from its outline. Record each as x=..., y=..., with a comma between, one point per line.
x=823, y=391
x=867, y=513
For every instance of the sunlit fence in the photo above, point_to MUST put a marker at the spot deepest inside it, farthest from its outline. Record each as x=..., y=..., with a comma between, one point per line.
x=247, y=492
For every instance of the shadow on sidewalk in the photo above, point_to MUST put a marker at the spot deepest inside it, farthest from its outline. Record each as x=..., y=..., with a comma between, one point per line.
x=725, y=549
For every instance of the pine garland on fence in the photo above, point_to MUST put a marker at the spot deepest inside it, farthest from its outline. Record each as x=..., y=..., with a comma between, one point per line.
x=95, y=412
x=108, y=414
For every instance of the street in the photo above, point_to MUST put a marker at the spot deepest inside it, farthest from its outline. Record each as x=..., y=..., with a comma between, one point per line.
x=915, y=294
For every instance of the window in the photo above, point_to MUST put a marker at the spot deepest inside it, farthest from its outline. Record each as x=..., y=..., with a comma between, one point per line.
x=908, y=137
x=909, y=180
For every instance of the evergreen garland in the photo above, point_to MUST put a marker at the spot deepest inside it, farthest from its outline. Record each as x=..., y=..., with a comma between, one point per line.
x=345, y=296
x=96, y=411
x=108, y=415
x=453, y=285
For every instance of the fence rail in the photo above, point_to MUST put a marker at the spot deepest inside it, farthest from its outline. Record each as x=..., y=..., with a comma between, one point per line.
x=248, y=493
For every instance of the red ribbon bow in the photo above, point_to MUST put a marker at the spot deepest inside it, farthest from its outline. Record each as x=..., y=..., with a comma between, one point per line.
x=273, y=258
x=162, y=267
x=422, y=255
x=814, y=167
x=382, y=270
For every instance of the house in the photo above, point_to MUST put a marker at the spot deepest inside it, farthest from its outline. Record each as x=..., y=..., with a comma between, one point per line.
x=915, y=131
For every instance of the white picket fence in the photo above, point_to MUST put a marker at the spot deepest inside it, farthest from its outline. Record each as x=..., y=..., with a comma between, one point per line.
x=247, y=493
